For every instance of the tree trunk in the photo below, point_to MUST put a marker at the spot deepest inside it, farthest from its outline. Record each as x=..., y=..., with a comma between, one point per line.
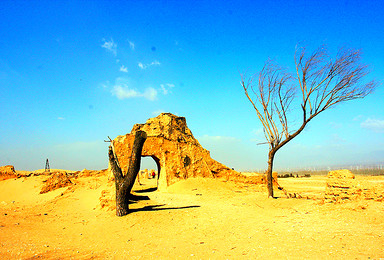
x=271, y=156
x=124, y=183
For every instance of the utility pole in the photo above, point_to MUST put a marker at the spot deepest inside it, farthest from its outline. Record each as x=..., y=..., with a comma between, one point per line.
x=47, y=169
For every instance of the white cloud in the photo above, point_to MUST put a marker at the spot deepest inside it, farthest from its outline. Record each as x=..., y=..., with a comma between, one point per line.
x=150, y=94
x=132, y=45
x=165, y=88
x=145, y=66
x=155, y=63
x=61, y=118
x=165, y=91
x=170, y=85
x=123, y=69
x=110, y=46
x=123, y=90
x=141, y=65
x=375, y=125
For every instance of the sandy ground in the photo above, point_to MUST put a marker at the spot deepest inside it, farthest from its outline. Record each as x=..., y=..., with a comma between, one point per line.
x=194, y=219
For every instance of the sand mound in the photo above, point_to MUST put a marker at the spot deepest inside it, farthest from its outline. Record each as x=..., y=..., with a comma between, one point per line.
x=57, y=180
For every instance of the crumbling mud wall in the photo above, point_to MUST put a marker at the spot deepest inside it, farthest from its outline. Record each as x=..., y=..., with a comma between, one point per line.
x=177, y=153
x=342, y=186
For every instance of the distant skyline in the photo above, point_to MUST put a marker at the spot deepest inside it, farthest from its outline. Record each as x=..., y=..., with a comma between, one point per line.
x=74, y=72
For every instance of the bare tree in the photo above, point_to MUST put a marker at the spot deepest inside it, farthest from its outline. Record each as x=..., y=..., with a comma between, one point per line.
x=124, y=183
x=321, y=82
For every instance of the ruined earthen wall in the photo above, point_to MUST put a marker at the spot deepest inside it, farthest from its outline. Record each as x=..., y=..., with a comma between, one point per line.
x=177, y=153
x=342, y=186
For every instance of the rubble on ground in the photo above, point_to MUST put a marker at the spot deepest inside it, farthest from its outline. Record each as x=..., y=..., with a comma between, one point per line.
x=55, y=181
x=342, y=186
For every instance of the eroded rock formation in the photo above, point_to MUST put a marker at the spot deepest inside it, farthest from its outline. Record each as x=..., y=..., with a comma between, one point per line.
x=55, y=181
x=7, y=172
x=177, y=153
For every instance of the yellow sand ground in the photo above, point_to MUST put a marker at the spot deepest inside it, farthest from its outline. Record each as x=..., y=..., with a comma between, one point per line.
x=194, y=219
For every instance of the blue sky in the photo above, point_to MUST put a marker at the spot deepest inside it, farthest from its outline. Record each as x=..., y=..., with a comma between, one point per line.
x=74, y=72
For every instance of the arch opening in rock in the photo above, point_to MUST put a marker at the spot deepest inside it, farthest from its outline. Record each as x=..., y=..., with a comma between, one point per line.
x=149, y=163
x=177, y=153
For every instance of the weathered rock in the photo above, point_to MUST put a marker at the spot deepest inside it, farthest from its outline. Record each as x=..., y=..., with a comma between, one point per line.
x=177, y=153
x=7, y=172
x=88, y=173
x=340, y=175
x=342, y=186
x=55, y=181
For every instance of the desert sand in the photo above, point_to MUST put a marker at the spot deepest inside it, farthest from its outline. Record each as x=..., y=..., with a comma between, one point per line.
x=198, y=218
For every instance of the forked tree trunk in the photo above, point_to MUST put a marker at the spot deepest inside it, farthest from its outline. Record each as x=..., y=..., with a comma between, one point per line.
x=124, y=183
x=271, y=156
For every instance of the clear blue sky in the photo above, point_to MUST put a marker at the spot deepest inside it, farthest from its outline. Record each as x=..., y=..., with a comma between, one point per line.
x=74, y=72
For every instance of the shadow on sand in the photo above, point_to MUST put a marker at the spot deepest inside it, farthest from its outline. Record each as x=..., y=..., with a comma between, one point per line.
x=158, y=208
x=146, y=190
x=133, y=198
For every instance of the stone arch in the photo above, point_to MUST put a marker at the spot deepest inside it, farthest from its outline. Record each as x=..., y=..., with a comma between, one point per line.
x=157, y=161
x=176, y=152
x=158, y=165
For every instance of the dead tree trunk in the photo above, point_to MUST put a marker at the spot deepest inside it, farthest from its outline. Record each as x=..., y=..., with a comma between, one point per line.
x=271, y=156
x=124, y=183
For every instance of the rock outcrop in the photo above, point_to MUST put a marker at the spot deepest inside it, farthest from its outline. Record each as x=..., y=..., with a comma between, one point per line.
x=7, y=172
x=55, y=181
x=177, y=153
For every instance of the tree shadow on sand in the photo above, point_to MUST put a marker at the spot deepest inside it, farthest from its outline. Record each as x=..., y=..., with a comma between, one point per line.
x=133, y=198
x=159, y=207
x=146, y=190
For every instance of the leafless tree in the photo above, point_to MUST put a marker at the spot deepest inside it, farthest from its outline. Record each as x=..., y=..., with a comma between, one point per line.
x=124, y=182
x=321, y=83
